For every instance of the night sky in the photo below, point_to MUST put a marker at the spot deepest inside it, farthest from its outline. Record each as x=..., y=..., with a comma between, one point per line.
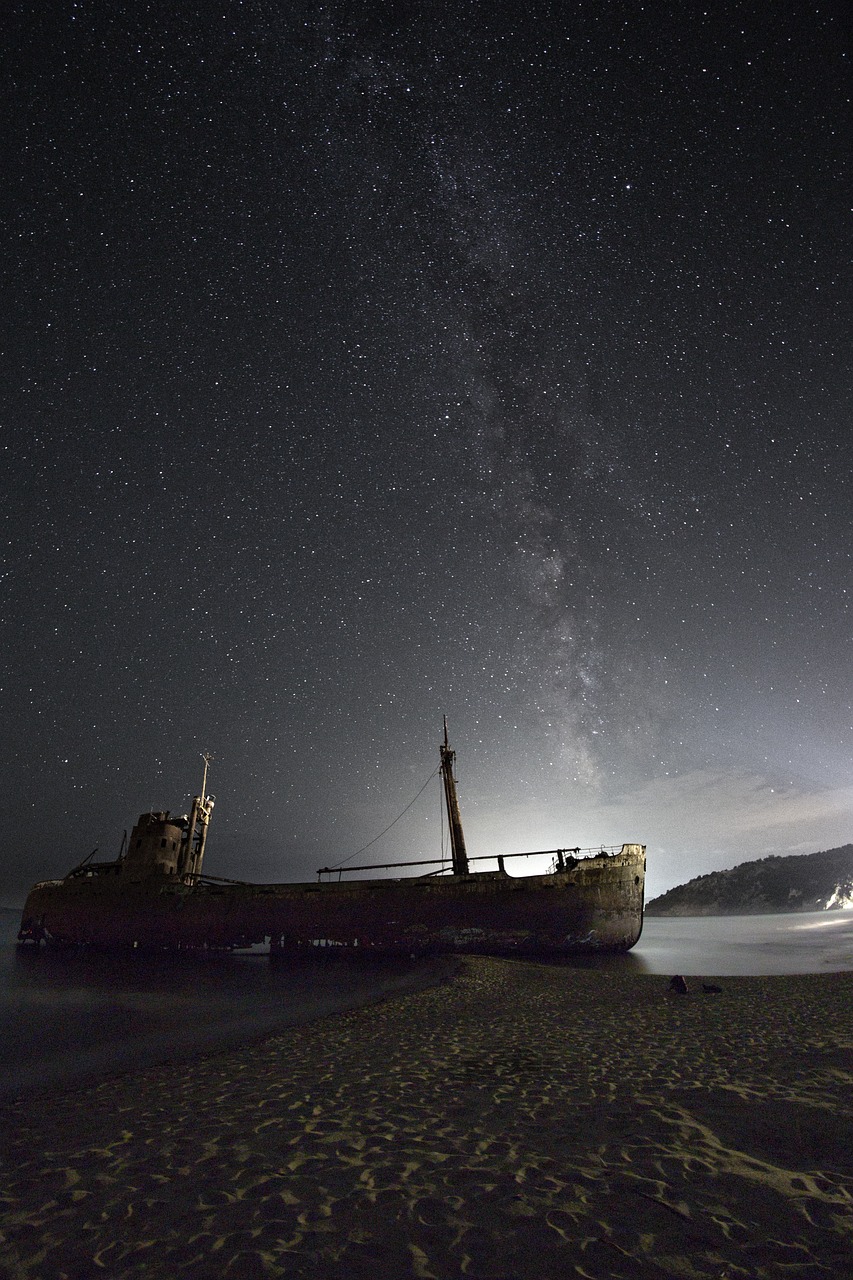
x=364, y=363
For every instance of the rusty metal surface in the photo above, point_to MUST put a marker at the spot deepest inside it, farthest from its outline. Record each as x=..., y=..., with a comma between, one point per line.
x=595, y=905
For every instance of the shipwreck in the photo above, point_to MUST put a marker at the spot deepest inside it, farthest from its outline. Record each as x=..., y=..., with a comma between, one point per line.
x=156, y=896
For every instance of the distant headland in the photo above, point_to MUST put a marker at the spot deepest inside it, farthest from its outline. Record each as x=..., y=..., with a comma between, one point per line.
x=800, y=882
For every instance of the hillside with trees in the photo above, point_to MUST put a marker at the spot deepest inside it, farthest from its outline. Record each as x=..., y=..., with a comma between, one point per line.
x=800, y=882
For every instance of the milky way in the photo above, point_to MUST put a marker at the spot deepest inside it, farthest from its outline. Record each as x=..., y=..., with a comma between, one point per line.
x=365, y=364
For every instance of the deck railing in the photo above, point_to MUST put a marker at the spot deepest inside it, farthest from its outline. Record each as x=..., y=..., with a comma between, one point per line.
x=562, y=860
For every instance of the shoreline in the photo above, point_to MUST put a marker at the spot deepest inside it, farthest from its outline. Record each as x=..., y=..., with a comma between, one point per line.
x=829, y=912
x=152, y=1032
x=519, y=1120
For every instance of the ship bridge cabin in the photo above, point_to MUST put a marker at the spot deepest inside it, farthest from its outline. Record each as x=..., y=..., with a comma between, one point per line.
x=155, y=846
x=161, y=845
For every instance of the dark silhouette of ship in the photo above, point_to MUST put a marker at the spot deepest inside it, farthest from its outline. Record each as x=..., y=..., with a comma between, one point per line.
x=155, y=896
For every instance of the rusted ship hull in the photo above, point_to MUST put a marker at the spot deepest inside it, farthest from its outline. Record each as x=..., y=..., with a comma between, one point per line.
x=591, y=906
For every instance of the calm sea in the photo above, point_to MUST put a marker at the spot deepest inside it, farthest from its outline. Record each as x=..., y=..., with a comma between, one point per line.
x=720, y=946
x=66, y=1018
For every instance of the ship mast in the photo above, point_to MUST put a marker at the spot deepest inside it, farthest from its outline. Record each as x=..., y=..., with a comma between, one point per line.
x=454, y=822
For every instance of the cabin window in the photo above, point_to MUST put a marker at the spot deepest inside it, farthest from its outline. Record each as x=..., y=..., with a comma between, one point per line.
x=139, y=842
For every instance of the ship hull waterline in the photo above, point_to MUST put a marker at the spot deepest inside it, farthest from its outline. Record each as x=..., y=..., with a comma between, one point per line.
x=594, y=906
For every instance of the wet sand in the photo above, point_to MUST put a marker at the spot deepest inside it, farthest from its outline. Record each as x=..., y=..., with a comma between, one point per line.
x=520, y=1120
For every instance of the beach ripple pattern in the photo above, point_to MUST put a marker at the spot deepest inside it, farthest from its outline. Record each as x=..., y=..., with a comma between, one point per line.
x=519, y=1120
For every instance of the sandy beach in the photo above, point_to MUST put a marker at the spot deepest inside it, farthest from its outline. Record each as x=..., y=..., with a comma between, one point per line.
x=518, y=1120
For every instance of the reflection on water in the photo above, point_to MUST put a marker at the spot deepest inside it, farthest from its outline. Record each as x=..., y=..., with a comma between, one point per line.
x=65, y=1017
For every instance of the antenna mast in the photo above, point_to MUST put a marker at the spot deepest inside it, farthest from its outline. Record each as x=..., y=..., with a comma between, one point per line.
x=195, y=838
x=206, y=757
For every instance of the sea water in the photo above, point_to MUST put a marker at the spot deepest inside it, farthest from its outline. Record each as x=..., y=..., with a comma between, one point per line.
x=721, y=946
x=66, y=1017
x=71, y=1016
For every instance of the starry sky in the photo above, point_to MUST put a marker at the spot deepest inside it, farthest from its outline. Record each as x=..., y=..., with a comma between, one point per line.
x=364, y=363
